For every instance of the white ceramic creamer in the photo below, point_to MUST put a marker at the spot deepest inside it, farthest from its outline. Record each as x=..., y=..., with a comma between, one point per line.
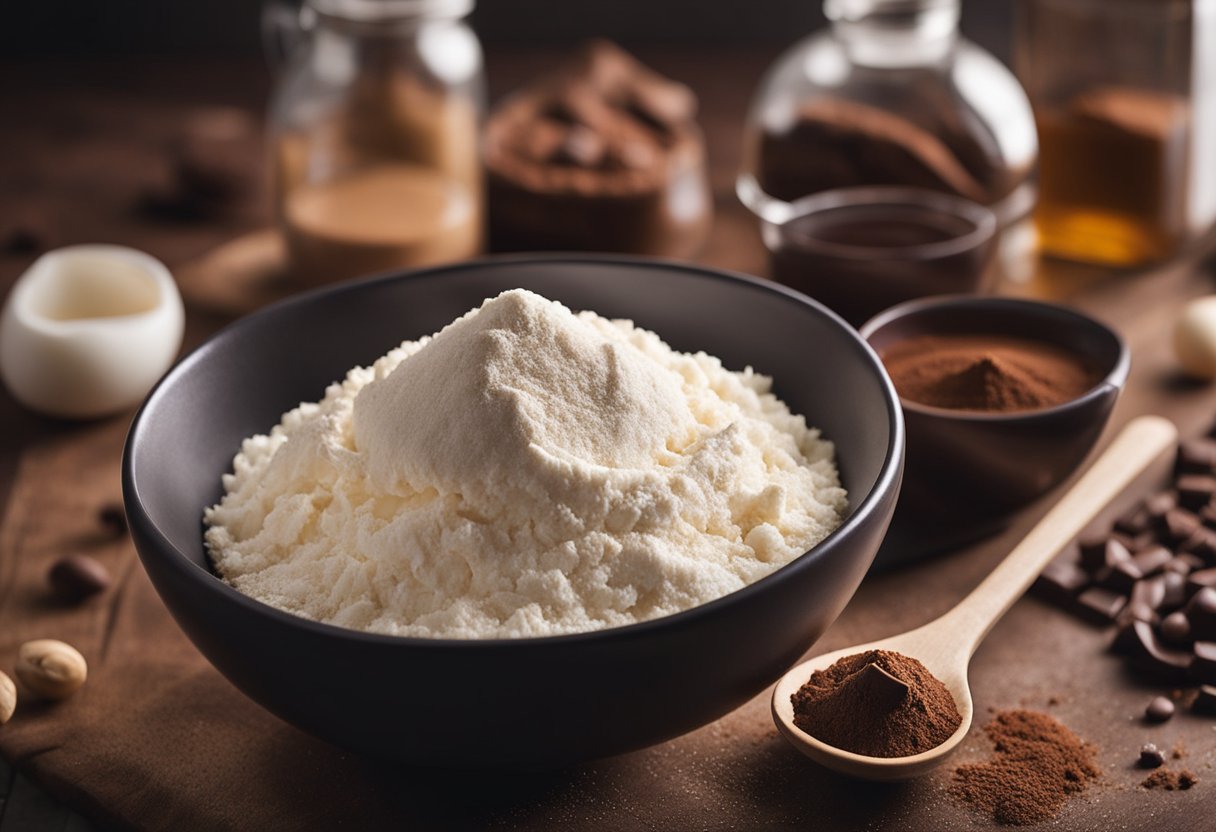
x=87, y=330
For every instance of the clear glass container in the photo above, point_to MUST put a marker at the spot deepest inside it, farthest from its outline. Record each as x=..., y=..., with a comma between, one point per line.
x=1124, y=92
x=373, y=126
x=889, y=94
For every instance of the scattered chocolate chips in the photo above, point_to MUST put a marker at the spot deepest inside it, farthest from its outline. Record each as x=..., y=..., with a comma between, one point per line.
x=76, y=578
x=113, y=519
x=1153, y=576
x=1160, y=709
x=1150, y=756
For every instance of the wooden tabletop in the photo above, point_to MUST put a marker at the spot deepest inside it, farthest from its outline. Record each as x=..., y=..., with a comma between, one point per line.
x=82, y=142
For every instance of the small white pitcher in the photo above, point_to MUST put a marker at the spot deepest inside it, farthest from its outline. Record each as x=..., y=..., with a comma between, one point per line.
x=87, y=330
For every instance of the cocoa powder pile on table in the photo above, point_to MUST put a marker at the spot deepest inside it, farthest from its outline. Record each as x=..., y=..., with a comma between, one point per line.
x=877, y=703
x=1037, y=766
x=1170, y=780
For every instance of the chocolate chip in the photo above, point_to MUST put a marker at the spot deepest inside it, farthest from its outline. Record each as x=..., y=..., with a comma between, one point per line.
x=1150, y=655
x=113, y=519
x=1203, y=665
x=1160, y=503
x=1202, y=544
x=1152, y=560
x=1196, y=581
x=1100, y=605
x=1196, y=456
x=1134, y=542
x=1150, y=756
x=1205, y=700
x=1173, y=591
x=1184, y=564
x=1109, y=552
x=1176, y=629
x=1180, y=524
x=1121, y=577
x=1061, y=581
x=77, y=577
x=1201, y=612
x=1159, y=709
x=1137, y=611
x=1093, y=549
x=1133, y=521
x=1149, y=592
x=1196, y=490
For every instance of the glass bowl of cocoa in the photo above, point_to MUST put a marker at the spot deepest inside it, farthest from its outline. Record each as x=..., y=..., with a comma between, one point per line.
x=1002, y=397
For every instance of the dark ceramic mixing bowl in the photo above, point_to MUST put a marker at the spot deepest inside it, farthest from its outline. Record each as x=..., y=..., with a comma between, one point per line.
x=537, y=701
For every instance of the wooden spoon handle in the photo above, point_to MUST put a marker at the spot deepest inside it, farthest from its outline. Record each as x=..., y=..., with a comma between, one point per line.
x=1141, y=442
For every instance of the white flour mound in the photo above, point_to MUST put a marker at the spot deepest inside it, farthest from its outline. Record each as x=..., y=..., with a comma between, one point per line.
x=524, y=472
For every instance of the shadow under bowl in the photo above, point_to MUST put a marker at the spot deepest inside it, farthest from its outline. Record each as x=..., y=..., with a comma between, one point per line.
x=538, y=701
x=968, y=471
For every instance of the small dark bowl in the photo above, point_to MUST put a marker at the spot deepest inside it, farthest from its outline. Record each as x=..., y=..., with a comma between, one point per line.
x=861, y=250
x=966, y=469
x=536, y=701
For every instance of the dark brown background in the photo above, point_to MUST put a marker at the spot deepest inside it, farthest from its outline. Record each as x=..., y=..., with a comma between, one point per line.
x=230, y=27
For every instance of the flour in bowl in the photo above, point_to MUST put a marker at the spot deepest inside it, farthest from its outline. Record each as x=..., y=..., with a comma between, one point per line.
x=526, y=471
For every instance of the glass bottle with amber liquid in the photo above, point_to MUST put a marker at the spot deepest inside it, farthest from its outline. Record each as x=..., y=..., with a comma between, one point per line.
x=1124, y=95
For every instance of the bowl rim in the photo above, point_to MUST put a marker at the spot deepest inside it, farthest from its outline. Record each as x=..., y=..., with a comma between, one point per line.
x=889, y=475
x=1114, y=379
x=982, y=231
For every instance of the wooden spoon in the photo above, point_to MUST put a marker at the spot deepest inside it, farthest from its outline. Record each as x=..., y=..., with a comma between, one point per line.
x=945, y=646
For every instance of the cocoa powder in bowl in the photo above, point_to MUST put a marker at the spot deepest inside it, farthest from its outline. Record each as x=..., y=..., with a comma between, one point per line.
x=877, y=703
x=986, y=372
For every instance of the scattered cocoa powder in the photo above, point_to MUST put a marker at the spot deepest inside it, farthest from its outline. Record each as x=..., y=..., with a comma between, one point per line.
x=877, y=703
x=989, y=373
x=1170, y=780
x=1037, y=766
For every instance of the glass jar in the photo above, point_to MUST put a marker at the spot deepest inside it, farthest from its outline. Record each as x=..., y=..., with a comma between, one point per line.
x=889, y=94
x=373, y=128
x=1124, y=92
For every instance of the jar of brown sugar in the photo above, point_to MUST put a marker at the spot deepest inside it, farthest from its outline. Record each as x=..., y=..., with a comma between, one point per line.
x=374, y=135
